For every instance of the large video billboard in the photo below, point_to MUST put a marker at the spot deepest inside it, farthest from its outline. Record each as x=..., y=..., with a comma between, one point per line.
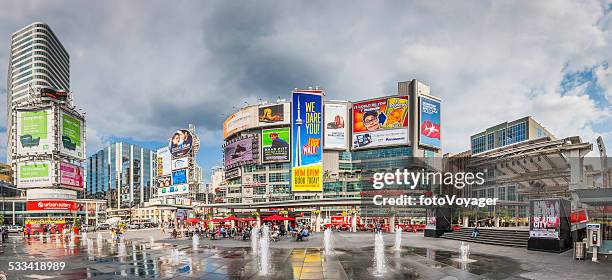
x=34, y=132
x=306, y=138
x=380, y=122
x=179, y=177
x=180, y=163
x=276, y=114
x=238, y=152
x=244, y=119
x=34, y=174
x=71, y=175
x=164, y=162
x=71, y=131
x=181, y=143
x=429, y=122
x=275, y=144
x=336, y=130
x=545, y=219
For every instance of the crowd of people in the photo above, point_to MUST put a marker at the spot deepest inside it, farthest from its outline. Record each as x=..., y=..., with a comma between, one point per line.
x=242, y=232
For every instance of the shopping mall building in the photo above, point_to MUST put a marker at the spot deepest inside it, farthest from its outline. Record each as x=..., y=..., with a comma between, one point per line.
x=359, y=138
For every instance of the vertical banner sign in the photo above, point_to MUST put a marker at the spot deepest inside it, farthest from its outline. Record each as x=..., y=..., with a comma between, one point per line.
x=72, y=135
x=336, y=129
x=307, y=132
x=545, y=219
x=429, y=122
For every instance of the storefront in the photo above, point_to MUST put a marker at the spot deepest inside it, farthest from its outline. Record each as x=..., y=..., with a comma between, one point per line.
x=51, y=213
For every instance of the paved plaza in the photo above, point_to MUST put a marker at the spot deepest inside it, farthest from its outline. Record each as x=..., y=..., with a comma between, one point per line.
x=152, y=254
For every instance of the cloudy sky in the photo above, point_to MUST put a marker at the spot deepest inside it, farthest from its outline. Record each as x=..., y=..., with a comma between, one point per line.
x=142, y=69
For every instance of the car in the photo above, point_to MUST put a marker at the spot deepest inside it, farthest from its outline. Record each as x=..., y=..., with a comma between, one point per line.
x=103, y=226
x=15, y=229
x=134, y=226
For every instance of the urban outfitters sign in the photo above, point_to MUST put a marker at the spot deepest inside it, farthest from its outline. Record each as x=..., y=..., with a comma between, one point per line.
x=306, y=141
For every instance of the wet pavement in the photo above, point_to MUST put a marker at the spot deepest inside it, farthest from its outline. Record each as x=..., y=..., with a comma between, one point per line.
x=169, y=259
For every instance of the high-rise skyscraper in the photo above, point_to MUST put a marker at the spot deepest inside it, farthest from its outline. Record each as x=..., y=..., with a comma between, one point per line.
x=37, y=59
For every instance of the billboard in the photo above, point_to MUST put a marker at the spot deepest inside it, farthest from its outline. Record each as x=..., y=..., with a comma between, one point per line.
x=275, y=144
x=276, y=114
x=545, y=219
x=71, y=131
x=429, y=122
x=34, y=132
x=51, y=205
x=165, y=181
x=380, y=122
x=238, y=152
x=241, y=120
x=335, y=116
x=173, y=190
x=179, y=177
x=306, y=138
x=34, y=174
x=180, y=163
x=164, y=162
x=181, y=143
x=71, y=175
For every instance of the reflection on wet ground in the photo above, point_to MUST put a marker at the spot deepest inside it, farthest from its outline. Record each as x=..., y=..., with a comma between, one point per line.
x=139, y=258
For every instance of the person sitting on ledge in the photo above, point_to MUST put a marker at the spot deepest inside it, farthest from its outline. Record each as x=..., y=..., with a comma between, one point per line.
x=475, y=232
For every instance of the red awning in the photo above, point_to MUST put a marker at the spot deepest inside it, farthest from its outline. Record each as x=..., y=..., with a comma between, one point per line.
x=231, y=218
x=274, y=218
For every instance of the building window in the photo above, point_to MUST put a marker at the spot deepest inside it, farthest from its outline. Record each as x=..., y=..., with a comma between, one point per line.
x=478, y=144
x=512, y=193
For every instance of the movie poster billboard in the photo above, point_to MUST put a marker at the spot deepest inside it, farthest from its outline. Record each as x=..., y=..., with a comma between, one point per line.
x=429, y=122
x=35, y=132
x=275, y=144
x=181, y=143
x=180, y=163
x=277, y=114
x=34, y=174
x=545, y=219
x=179, y=177
x=164, y=162
x=380, y=122
x=71, y=175
x=71, y=131
x=244, y=119
x=307, y=134
x=336, y=130
x=238, y=152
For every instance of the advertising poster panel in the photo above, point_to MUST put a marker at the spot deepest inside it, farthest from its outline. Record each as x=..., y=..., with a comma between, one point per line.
x=275, y=144
x=71, y=130
x=306, y=138
x=238, y=152
x=276, y=114
x=429, y=122
x=34, y=174
x=180, y=163
x=241, y=120
x=179, y=177
x=174, y=190
x=335, y=116
x=34, y=132
x=165, y=181
x=71, y=175
x=164, y=161
x=181, y=143
x=544, y=220
x=431, y=219
x=380, y=122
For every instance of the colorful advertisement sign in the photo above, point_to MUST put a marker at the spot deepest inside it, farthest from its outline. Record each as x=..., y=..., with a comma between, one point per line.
x=238, y=152
x=34, y=132
x=180, y=163
x=307, y=134
x=276, y=114
x=275, y=144
x=336, y=130
x=544, y=220
x=71, y=175
x=165, y=181
x=174, y=190
x=429, y=122
x=380, y=122
x=34, y=174
x=164, y=162
x=244, y=119
x=179, y=177
x=51, y=205
x=71, y=130
x=181, y=143
x=431, y=219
